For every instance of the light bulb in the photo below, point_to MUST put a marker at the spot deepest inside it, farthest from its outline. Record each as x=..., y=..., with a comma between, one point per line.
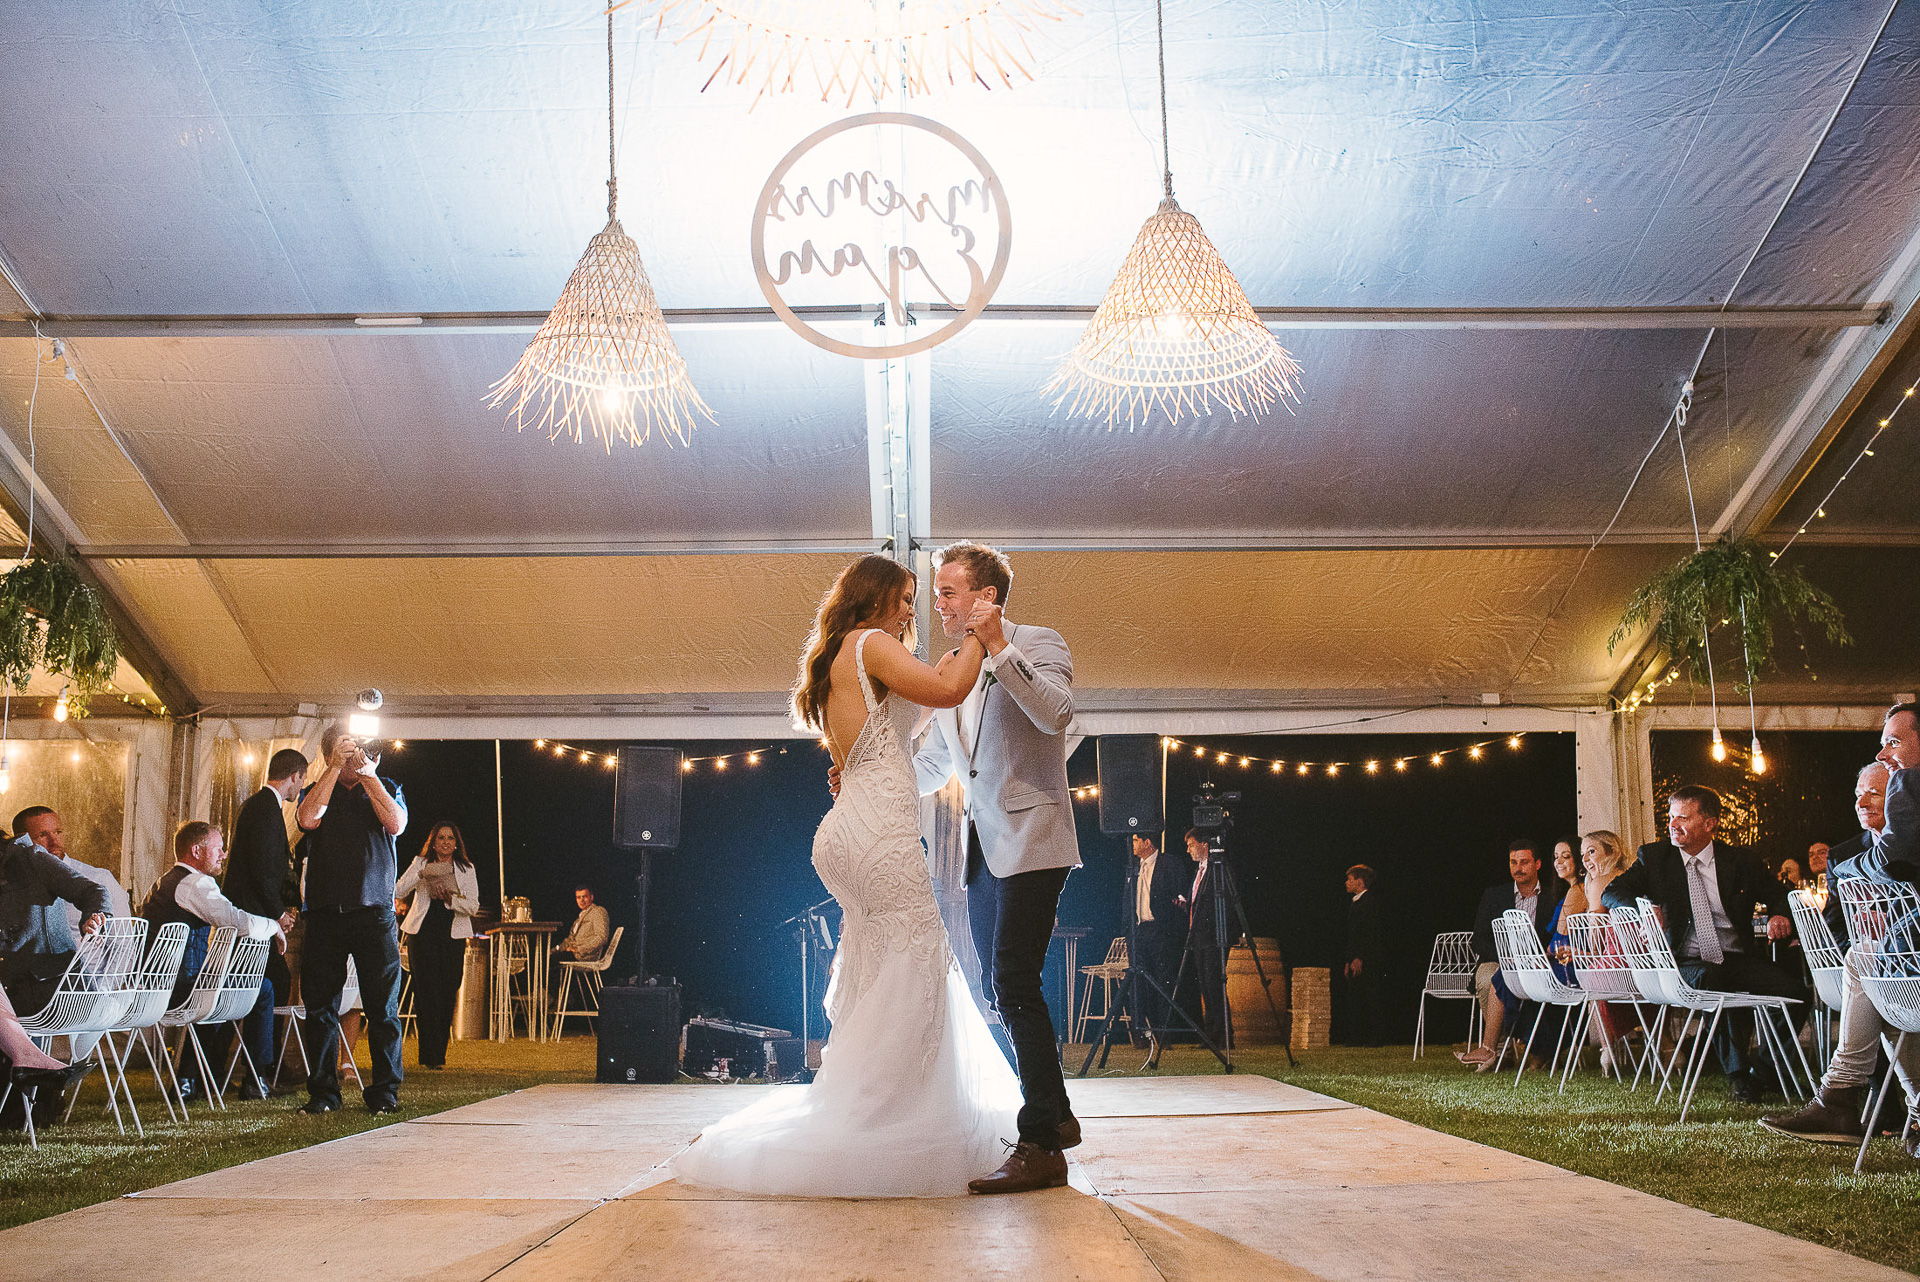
x=1373, y=767
x=1759, y=757
x=613, y=398
x=539, y=743
x=1303, y=767
x=60, y=706
x=1400, y=764
x=720, y=763
x=1474, y=752
x=1434, y=759
x=6, y=775
x=1198, y=751
x=1513, y=741
x=1719, y=746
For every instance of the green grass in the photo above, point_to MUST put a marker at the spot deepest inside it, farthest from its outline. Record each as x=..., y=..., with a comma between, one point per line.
x=89, y=1161
x=1721, y=1161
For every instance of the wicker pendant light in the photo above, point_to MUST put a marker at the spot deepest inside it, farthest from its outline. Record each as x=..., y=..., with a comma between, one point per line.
x=603, y=359
x=1175, y=332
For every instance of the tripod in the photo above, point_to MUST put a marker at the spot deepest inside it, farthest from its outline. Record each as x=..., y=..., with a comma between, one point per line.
x=812, y=931
x=1226, y=893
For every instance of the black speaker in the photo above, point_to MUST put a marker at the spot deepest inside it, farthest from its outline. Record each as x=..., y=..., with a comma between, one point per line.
x=1130, y=783
x=646, y=799
x=639, y=1034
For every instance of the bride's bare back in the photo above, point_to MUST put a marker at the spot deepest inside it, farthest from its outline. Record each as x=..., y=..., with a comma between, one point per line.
x=893, y=667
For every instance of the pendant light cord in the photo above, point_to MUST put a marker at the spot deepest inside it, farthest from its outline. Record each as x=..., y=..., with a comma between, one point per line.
x=613, y=187
x=1166, y=154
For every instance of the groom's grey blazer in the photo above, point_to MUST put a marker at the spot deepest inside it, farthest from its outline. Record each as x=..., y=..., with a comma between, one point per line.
x=1016, y=779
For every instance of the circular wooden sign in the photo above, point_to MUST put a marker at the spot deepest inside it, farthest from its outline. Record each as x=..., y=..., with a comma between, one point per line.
x=838, y=228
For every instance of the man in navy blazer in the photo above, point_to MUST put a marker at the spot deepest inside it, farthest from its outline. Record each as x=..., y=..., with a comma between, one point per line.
x=1523, y=891
x=1693, y=874
x=1156, y=880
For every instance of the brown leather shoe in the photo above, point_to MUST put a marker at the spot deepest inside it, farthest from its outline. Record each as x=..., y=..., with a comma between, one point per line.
x=1070, y=1132
x=1831, y=1117
x=1027, y=1168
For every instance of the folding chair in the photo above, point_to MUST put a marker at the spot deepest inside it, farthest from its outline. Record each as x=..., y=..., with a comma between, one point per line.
x=147, y=996
x=1707, y=1005
x=91, y=996
x=1827, y=965
x=1105, y=973
x=1524, y=962
x=1604, y=974
x=239, y=993
x=297, y=1015
x=196, y=1006
x=592, y=977
x=1450, y=978
x=1883, y=919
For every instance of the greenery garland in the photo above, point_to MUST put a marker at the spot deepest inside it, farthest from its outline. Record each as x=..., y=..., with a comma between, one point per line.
x=52, y=618
x=1730, y=583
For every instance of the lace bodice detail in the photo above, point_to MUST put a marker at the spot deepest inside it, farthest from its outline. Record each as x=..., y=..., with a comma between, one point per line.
x=869, y=855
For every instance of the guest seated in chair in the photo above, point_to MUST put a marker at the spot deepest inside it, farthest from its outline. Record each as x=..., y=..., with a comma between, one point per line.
x=31, y=1071
x=1703, y=889
x=1523, y=891
x=588, y=938
x=188, y=893
x=36, y=941
x=446, y=895
x=43, y=825
x=1836, y=1113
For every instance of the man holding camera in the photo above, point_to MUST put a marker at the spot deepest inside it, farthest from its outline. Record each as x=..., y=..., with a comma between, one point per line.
x=351, y=817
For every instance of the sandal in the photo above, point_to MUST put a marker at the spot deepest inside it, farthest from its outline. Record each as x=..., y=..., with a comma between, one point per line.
x=1476, y=1057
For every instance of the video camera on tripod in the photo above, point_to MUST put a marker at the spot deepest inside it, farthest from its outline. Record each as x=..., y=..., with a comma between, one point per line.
x=1210, y=814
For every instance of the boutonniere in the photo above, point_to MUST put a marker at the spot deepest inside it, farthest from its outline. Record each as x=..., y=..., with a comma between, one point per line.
x=993, y=679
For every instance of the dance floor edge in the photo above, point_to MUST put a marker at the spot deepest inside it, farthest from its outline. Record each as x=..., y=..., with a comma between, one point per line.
x=1179, y=1178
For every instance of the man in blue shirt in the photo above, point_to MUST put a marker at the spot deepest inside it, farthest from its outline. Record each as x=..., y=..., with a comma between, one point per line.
x=351, y=817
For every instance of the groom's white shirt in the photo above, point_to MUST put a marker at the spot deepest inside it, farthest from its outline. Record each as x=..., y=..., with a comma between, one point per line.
x=1007, y=744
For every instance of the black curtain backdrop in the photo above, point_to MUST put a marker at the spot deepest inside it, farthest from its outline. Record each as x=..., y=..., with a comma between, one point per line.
x=1805, y=796
x=1437, y=836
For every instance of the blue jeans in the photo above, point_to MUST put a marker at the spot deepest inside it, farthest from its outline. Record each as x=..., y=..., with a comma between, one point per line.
x=369, y=937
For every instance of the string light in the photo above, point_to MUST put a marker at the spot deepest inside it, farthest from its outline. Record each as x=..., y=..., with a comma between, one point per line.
x=1277, y=765
x=1719, y=749
x=1303, y=767
x=685, y=765
x=1434, y=759
x=1373, y=767
x=1759, y=762
x=1474, y=752
x=1513, y=741
x=1400, y=764
x=398, y=744
x=60, y=709
x=1866, y=452
x=1243, y=763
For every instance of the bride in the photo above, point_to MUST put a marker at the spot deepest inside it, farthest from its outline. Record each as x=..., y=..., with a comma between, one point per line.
x=912, y=1095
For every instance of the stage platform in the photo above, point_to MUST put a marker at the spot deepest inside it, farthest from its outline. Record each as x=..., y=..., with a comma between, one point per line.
x=1179, y=1178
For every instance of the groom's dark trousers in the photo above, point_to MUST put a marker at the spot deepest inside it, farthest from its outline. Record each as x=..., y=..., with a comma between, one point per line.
x=1011, y=919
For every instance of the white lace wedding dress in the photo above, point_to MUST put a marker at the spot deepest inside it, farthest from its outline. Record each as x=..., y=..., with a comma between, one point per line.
x=913, y=1096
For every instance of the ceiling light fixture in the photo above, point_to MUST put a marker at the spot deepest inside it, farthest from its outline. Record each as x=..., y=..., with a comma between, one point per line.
x=603, y=359
x=844, y=48
x=1175, y=332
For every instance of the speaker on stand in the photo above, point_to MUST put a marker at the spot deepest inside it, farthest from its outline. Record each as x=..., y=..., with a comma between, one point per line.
x=1131, y=785
x=646, y=818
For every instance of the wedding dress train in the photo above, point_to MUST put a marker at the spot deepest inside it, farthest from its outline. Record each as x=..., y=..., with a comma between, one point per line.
x=913, y=1096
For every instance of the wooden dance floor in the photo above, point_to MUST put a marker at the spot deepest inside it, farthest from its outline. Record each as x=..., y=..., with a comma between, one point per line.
x=1179, y=1178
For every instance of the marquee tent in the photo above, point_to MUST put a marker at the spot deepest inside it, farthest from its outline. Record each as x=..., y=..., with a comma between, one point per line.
x=1503, y=240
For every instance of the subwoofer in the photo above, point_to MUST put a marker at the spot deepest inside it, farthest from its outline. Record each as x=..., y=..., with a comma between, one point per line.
x=639, y=1034
x=1129, y=767
x=646, y=799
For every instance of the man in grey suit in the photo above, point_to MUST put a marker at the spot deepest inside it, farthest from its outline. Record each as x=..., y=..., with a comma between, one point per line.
x=1007, y=743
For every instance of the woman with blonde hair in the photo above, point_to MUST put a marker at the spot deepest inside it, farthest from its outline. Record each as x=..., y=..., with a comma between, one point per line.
x=912, y=1094
x=1605, y=857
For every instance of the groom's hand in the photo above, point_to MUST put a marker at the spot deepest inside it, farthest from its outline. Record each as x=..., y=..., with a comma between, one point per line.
x=833, y=780
x=985, y=623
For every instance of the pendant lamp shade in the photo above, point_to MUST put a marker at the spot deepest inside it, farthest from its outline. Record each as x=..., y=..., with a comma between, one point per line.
x=603, y=359
x=1175, y=333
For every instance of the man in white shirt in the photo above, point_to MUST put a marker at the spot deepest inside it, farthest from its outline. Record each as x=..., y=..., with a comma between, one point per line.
x=1159, y=931
x=41, y=825
x=188, y=893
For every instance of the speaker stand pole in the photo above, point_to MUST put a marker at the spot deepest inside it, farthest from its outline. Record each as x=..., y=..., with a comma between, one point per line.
x=499, y=821
x=645, y=878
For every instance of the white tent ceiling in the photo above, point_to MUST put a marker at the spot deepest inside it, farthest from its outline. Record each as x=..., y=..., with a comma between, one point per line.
x=200, y=197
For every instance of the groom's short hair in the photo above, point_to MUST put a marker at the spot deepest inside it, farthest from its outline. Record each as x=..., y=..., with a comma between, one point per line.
x=986, y=567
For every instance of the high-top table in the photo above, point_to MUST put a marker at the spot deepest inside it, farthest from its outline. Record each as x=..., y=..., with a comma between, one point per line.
x=529, y=944
x=1070, y=937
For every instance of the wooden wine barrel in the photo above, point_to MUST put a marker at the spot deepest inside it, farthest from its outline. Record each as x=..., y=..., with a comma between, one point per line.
x=1253, y=1022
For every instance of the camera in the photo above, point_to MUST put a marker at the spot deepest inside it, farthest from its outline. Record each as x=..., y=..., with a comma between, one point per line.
x=1210, y=813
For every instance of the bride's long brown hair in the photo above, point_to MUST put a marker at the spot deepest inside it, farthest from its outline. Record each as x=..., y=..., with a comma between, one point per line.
x=864, y=590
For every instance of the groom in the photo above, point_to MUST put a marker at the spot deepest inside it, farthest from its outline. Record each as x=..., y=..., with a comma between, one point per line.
x=1008, y=744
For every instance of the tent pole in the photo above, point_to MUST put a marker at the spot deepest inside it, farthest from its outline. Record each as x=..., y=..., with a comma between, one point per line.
x=500, y=826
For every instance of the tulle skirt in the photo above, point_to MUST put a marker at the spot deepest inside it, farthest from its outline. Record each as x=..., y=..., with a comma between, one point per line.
x=886, y=1116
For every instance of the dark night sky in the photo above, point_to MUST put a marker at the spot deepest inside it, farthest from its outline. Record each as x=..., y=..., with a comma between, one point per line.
x=1437, y=836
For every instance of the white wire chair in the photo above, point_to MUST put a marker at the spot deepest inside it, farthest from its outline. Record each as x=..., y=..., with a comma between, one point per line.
x=1656, y=970
x=1883, y=919
x=1601, y=968
x=1825, y=962
x=239, y=991
x=1106, y=972
x=1450, y=974
x=296, y=1015
x=197, y=1005
x=91, y=996
x=147, y=997
x=1524, y=963
x=592, y=977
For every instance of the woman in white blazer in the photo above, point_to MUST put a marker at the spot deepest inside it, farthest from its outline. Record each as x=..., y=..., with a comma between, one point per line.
x=446, y=895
